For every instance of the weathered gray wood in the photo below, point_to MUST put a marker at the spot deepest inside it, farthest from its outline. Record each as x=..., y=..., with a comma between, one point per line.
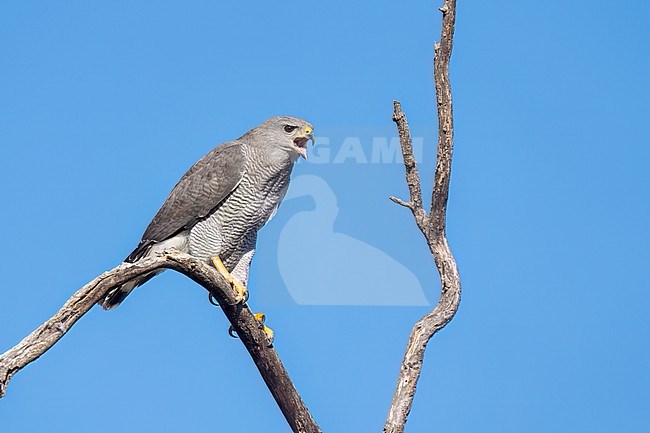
x=433, y=226
x=247, y=327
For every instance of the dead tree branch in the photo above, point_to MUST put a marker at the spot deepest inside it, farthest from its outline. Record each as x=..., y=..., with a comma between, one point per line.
x=248, y=329
x=433, y=226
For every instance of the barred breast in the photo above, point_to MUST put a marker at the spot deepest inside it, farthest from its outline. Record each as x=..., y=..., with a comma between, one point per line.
x=231, y=229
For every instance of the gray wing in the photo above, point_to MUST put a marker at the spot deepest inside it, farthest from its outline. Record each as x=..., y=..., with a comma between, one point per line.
x=199, y=191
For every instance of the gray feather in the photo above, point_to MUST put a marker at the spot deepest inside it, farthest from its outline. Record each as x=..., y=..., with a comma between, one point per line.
x=199, y=191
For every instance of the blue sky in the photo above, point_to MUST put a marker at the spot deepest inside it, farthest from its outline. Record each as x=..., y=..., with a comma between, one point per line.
x=106, y=104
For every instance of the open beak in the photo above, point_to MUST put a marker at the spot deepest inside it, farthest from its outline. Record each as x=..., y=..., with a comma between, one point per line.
x=301, y=141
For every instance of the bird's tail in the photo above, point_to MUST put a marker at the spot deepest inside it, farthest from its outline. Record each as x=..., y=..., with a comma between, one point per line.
x=115, y=296
x=119, y=293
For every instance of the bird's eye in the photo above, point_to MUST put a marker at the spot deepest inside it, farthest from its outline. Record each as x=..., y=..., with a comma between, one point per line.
x=289, y=128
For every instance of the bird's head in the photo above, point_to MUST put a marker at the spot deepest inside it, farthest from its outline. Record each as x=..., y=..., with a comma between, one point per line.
x=290, y=134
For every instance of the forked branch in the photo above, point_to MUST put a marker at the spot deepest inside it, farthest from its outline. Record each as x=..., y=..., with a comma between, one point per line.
x=433, y=226
x=248, y=329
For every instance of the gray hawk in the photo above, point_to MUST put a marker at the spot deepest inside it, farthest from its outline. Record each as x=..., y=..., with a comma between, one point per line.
x=215, y=211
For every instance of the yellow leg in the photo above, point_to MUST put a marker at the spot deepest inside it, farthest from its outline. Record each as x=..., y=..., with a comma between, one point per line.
x=242, y=292
x=261, y=317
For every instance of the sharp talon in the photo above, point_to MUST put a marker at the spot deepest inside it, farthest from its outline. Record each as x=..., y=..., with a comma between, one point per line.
x=242, y=292
x=261, y=317
x=269, y=335
x=232, y=332
x=213, y=300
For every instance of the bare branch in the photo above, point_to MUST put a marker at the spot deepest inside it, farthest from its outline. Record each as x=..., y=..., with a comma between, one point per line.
x=399, y=201
x=412, y=175
x=244, y=323
x=441, y=57
x=433, y=228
